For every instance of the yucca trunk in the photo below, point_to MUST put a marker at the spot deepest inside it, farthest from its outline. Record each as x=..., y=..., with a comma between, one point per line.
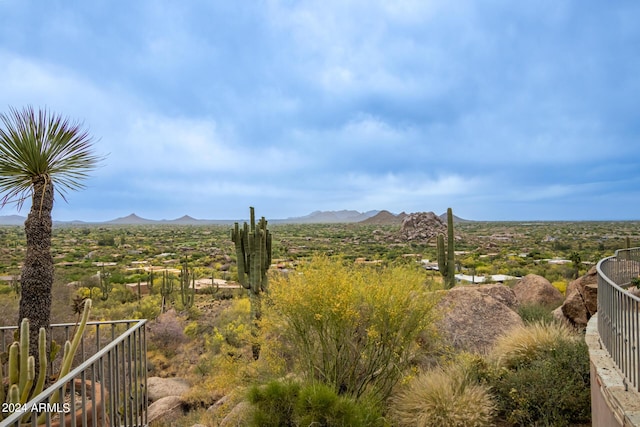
x=37, y=273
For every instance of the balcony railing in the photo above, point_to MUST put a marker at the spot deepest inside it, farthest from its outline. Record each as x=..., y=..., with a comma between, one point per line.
x=107, y=387
x=618, y=312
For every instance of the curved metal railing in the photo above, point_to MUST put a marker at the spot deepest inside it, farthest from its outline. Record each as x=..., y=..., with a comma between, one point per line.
x=106, y=388
x=619, y=312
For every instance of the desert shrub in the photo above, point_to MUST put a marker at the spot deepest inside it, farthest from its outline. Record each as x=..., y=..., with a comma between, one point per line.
x=351, y=327
x=274, y=404
x=560, y=285
x=443, y=397
x=543, y=377
x=320, y=405
x=288, y=403
x=148, y=307
x=535, y=313
x=167, y=332
x=526, y=343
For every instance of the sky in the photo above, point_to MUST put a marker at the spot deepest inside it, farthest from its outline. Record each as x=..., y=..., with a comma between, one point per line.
x=501, y=110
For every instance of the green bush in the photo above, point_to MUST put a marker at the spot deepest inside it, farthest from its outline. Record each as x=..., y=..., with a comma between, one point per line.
x=351, y=327
x=274, y=404
x=544, y=380
x=287, y=403
x=532, y=313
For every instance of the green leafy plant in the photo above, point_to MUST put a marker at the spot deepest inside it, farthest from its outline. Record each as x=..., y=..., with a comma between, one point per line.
x=288, y=403
x=351, y=327
x=542, y=377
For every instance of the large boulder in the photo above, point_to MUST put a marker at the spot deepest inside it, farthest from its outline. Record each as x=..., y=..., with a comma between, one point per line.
x=582, y=300
x=168, y=409
x=239, y=415
x=502, y=293
x=472, y=320
x=157, y=387
x=533, y=289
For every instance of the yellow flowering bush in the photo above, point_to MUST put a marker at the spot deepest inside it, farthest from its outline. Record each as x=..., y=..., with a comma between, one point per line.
x=351, y=327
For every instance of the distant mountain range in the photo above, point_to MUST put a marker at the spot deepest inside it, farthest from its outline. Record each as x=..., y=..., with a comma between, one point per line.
x=317, y=217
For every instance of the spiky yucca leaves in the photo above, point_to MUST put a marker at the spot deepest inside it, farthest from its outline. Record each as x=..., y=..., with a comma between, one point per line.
x=42, y=144
x=443, y=397
x=524, y=344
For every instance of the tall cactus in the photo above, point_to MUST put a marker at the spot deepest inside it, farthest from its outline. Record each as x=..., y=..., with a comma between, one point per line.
x=446, y=261
x=187, y=285
x=105, y=283
x=253, y=250
x=166, y=289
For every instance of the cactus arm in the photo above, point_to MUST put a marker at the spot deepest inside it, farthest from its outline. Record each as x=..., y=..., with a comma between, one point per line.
x=24, y=353
x=14, y=394
x=14, y=364
x=237, y=238
x=42, y=361
x=68, y=356
x=31, y=373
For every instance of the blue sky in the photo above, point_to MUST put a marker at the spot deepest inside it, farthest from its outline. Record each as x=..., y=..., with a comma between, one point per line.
x=501, y=110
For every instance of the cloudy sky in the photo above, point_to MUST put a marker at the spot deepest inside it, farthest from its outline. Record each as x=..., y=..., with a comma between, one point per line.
x=501, y=110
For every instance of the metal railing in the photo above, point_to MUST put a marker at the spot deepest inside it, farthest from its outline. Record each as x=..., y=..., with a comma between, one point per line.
x=108, y=386
x=618, y=312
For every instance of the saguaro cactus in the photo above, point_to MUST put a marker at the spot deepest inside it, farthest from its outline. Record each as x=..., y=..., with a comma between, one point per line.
x=446, y=261
x=166, y=289
x=253, y=250
x=187, y=285
x=105, y=283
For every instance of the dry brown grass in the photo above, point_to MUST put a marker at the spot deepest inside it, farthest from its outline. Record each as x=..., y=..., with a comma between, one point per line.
x=442, y=397
x=526, y=343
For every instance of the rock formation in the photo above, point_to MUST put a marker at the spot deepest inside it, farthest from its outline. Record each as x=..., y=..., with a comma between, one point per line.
x=472, y=320
x=164, y=396
x=534, y=289
x=421, y=227
x=582, y=300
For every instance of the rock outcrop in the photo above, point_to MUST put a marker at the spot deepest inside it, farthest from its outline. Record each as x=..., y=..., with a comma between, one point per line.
x=582, y=300
x=472, y=320
x=167, y=409
x=534, y=289
x=165, y=398
x=157, y=387
x=421, y=227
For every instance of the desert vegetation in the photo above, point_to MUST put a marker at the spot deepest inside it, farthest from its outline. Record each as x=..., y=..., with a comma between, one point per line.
x=347, y=333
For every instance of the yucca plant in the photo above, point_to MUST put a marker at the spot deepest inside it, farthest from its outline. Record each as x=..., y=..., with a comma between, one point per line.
x=41, y=154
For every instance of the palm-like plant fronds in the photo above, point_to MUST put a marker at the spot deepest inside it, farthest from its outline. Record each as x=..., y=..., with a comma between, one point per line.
x=42, y=145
